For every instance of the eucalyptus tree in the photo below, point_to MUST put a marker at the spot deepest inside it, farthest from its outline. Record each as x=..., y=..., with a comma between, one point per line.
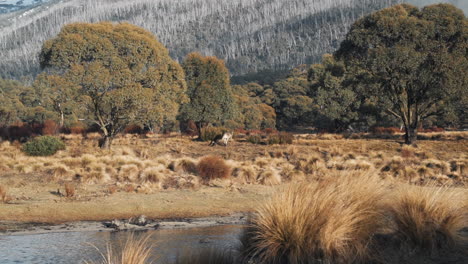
x=413, y=60
x=209, y=90
x=121, y=72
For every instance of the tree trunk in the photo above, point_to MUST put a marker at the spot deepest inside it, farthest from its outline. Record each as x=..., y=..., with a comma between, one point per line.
x=411, y=134
x=105, y=142
x=62, y=119
x=199, y=128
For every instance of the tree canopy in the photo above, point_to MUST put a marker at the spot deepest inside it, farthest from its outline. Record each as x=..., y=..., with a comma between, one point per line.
x=209, y=90
x=122, y=73
x=412, y=60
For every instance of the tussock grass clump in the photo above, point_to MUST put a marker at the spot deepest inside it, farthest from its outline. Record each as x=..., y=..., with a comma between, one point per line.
x=328, y=222
x=153, y=175
x=135, y=250
x=129, y=173
x=430, y=218
x=269, y=177
x=185, y=165
x=43, y=146
x=213, y=167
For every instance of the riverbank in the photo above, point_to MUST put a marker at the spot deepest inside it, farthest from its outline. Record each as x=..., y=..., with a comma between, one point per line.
x=133, y=224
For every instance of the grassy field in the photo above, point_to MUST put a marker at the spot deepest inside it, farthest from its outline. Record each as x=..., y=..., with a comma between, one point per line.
x=323, y=199
x=175, y=176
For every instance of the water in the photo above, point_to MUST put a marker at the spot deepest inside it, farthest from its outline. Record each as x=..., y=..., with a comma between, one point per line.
x=76, y=247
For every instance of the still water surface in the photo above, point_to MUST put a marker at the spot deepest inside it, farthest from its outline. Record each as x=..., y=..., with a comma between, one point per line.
x=76, y=247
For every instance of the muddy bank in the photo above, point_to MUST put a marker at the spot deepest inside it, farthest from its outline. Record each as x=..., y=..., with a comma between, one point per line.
x=137, y=224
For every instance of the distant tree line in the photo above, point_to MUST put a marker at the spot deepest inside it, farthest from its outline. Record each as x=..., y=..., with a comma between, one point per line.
x=249, y=35
x=400, y=66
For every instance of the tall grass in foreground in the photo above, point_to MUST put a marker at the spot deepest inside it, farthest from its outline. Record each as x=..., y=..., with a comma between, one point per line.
x=328, y=222
x=430, y=218
x=136, y=250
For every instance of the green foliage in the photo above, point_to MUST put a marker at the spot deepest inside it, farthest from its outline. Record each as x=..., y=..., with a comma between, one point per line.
x=293, y=104
x=252, y=111
x=337, y=102
x=43, y=146
x=121, y=73
x=412, y=61
x=209, y=90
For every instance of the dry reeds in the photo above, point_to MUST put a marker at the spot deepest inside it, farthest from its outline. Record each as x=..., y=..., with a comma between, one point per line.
x=332, y=222
x=430, y=218
x=135, y=250
x=213, y=167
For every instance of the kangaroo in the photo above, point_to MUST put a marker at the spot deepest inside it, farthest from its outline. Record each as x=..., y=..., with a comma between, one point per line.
x=224, y=138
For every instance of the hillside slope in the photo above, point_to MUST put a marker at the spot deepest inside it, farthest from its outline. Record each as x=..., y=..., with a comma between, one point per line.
x=251, y=35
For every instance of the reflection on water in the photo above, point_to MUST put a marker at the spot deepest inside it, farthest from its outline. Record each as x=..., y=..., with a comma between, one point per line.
x=74, y=247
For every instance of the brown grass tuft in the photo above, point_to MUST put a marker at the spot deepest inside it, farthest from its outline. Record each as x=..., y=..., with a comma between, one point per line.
x=134, y=251
x=331, y=222
x=430, y=218
x=213, y=167
x=69, y=190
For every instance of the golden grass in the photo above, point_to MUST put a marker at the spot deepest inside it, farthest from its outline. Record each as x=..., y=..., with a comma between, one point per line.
x=135, y=250
x=328, y=222
x=430, y=218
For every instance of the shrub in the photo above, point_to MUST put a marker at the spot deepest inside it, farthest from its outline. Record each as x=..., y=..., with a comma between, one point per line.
x=213, y=167
x=50, y=127
x=281, y=138
x=254, y=139
x=329, y=222
x=133, y=129
x=430, y=218
x=78, y=128
x=209, y=133
x=43, y=146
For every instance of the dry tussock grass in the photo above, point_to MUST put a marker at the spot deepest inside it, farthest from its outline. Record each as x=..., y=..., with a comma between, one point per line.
x=430, y=218
x=328, y=222
x=213, y=167
x=135, y=250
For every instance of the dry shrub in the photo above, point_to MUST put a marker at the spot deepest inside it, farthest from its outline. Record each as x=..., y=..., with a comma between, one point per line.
x=112, y=189
x=129, y=173
x=246, y=174
x=330, y=222
x=206, y=256
x=184, y=165
x=153, y=174
x=3, y=194
x=129, y=188
x=50, y=127
x=269, y=177
x=213, y=167
x=135, y=250
x=70, y=190
x=430, y=218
